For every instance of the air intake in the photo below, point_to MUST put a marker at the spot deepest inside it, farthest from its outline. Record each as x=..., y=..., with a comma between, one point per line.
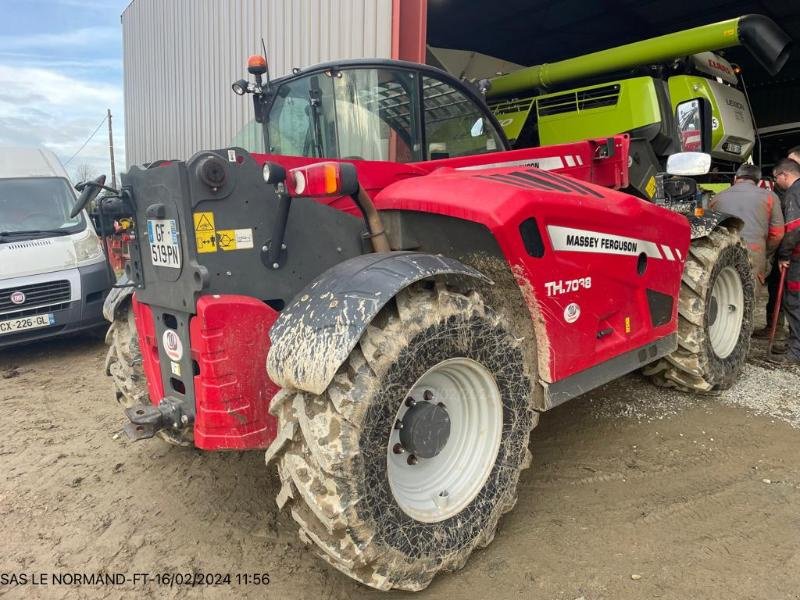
x=607, y=95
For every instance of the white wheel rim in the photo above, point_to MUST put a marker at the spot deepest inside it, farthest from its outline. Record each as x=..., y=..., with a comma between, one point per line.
x=435, y=489
x=727, y=299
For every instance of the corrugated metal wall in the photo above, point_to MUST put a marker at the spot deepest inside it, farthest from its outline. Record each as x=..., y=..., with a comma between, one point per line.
x=180, y=57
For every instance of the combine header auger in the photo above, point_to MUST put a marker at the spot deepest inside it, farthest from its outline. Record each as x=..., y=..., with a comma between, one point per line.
x=387, y=301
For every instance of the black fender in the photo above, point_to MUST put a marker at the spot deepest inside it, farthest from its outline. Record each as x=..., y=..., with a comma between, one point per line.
x=318, y=329
x=116, y=297
x=702, y=226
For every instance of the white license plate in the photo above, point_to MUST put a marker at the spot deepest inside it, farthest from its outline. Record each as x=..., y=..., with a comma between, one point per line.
x=34, y=322
x=164, y=246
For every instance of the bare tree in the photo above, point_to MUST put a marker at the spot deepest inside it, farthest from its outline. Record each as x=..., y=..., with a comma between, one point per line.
x=83, y=172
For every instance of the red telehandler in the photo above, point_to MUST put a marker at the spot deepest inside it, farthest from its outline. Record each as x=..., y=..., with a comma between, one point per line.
x=388, y=297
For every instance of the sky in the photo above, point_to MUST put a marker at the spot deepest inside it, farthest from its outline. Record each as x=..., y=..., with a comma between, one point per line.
x=60, y=70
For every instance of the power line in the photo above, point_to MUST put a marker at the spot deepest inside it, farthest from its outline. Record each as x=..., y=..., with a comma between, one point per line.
x=89, y=139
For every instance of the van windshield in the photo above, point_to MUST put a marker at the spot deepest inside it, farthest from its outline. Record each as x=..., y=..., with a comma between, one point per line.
x=36, y=206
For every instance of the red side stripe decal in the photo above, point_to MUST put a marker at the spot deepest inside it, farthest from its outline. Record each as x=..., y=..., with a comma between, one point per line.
x=792, y=225
x=793, y=286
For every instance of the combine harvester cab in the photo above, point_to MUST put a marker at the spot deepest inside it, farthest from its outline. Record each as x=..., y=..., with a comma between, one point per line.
x=387, y=301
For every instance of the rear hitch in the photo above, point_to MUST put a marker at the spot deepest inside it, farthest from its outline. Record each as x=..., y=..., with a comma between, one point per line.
x=145, y=420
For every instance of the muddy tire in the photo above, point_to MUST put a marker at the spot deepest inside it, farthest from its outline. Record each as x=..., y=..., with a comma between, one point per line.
x=124, y=366
x=124, y=360
x=715, y=317
x=349, y=487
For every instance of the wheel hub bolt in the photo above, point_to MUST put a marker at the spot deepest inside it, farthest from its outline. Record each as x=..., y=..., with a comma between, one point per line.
x=398, y=448
x=412, y=460
x=410, y=402
x=398, y=424
x=428, y=395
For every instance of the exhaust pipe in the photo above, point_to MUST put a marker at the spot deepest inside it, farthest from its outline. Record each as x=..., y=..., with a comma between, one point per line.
x=767, y=42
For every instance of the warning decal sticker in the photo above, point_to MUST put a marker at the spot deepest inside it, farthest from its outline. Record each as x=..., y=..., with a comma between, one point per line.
x=235, y=239
x=204, y=232
x=650, y=188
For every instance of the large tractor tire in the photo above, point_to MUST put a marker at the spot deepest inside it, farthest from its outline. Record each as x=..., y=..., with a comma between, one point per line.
x=404, y=465
x=715, y=317
x=124, y=366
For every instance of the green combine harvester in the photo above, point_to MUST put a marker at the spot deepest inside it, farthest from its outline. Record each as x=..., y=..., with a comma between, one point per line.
x=671, y=93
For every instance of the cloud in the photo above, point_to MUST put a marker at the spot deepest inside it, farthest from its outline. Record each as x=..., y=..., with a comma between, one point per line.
x=74, y=38
x=89, y=65
x=42, y=107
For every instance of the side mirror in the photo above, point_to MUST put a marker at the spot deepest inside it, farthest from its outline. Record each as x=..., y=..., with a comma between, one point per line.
x=89, y=191
x=689, y=164
x=693, y=118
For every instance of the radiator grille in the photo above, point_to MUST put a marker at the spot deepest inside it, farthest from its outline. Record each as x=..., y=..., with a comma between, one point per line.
x=36, y=295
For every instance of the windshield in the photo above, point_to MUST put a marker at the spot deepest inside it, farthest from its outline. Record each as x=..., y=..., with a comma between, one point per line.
x=37, y=205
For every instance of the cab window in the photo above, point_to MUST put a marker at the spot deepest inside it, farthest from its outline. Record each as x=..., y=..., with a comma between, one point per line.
x=365, y=114
x=298, y=125
x=454, y=124
x=375, y=116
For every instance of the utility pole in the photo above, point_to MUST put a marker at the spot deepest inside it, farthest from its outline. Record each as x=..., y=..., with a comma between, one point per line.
x=111, y=151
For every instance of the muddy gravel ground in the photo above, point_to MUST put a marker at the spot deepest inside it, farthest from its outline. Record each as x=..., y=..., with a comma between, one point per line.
x=634, y=492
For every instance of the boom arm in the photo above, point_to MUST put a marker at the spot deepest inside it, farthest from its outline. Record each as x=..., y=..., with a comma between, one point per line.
x=767, y=42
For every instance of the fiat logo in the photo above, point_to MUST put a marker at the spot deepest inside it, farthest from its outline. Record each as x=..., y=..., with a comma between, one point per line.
x=17, y=297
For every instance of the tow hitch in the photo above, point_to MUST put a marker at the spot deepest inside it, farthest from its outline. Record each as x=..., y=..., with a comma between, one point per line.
x=146, y=420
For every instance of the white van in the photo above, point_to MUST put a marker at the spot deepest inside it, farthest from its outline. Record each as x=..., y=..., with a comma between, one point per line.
x=53, y=273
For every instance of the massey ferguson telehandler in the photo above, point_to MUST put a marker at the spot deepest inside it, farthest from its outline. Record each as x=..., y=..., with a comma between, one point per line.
x=389, y=297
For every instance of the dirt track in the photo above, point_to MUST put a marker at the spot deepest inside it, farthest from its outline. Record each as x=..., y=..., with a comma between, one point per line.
x=694, y=497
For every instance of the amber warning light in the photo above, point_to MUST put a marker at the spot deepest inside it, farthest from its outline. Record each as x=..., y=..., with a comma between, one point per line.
x=257, y=64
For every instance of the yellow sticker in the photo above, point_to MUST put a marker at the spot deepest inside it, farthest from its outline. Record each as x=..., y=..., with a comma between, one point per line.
x=204, y=232
x=627, y=324
x=650, y=188
x=226, y=239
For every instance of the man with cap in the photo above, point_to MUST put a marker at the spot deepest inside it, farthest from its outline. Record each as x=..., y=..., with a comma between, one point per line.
x=773, y=281
x=760, y=210
x=787, y=177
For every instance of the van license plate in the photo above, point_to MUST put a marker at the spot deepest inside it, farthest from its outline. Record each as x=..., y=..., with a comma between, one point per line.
x=34, y=322
x=164, y=247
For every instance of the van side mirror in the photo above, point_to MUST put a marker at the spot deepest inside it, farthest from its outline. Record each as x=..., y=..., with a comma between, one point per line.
x=89, y=191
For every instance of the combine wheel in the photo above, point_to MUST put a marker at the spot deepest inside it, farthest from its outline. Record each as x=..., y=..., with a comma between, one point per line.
x=404, y=465
x=715, y=317
x=124, y=366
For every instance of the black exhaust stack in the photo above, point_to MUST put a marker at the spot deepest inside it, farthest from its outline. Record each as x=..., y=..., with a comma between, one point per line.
x=767, y=42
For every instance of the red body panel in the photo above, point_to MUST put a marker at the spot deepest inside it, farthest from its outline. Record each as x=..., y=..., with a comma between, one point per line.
x=578, y=160
x=230, y=341
x=617, y=292
x=146, y=329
